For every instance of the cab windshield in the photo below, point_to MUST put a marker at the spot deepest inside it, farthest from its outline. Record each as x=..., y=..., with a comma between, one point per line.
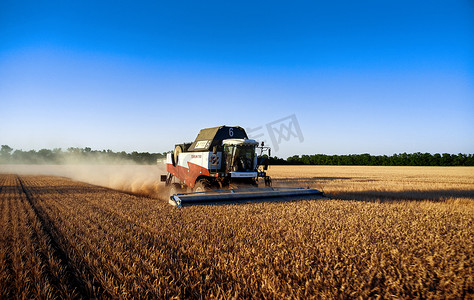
x=239, y=158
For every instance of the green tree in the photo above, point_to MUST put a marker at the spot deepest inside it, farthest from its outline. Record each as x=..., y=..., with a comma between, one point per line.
x=5, y=153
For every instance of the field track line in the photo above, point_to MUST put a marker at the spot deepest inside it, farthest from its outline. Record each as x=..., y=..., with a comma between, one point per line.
x=74, y=283
x=7, y=236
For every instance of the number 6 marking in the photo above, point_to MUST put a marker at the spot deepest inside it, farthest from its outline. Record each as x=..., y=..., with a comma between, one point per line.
x=231, y=132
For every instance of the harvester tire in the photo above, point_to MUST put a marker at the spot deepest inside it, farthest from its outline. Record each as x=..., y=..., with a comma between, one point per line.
x=177, y=151
x=175, y=188
x=202, y=185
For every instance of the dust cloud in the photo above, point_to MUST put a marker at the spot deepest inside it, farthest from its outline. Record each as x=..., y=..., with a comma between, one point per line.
x=127, y=177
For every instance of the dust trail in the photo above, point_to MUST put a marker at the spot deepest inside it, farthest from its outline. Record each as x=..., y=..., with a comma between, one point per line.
x=137, y=179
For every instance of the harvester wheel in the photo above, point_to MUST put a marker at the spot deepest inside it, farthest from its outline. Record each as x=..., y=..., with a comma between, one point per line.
x=268, y=181
x=175, y=188
x=202, y=185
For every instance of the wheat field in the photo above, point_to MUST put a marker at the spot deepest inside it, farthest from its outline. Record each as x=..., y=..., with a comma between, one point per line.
x=380, y=182
x=391, y=232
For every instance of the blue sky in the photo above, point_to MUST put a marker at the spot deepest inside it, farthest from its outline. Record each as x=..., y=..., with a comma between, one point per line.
x=377, y=77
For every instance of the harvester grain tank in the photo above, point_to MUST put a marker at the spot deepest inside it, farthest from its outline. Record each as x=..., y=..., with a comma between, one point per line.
x=222, y=164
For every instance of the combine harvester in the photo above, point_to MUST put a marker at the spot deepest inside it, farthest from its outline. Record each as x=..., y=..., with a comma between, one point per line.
x=222, y=164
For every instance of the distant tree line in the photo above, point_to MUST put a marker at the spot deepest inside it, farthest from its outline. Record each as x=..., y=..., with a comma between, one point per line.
x=87, y=155
x=402, y=159
x=75, y=155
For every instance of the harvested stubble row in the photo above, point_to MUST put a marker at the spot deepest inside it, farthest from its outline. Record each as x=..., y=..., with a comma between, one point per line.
x=88, y=241
x=30, y=266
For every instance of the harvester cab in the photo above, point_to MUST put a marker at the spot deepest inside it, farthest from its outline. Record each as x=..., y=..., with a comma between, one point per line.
x=221, y=161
